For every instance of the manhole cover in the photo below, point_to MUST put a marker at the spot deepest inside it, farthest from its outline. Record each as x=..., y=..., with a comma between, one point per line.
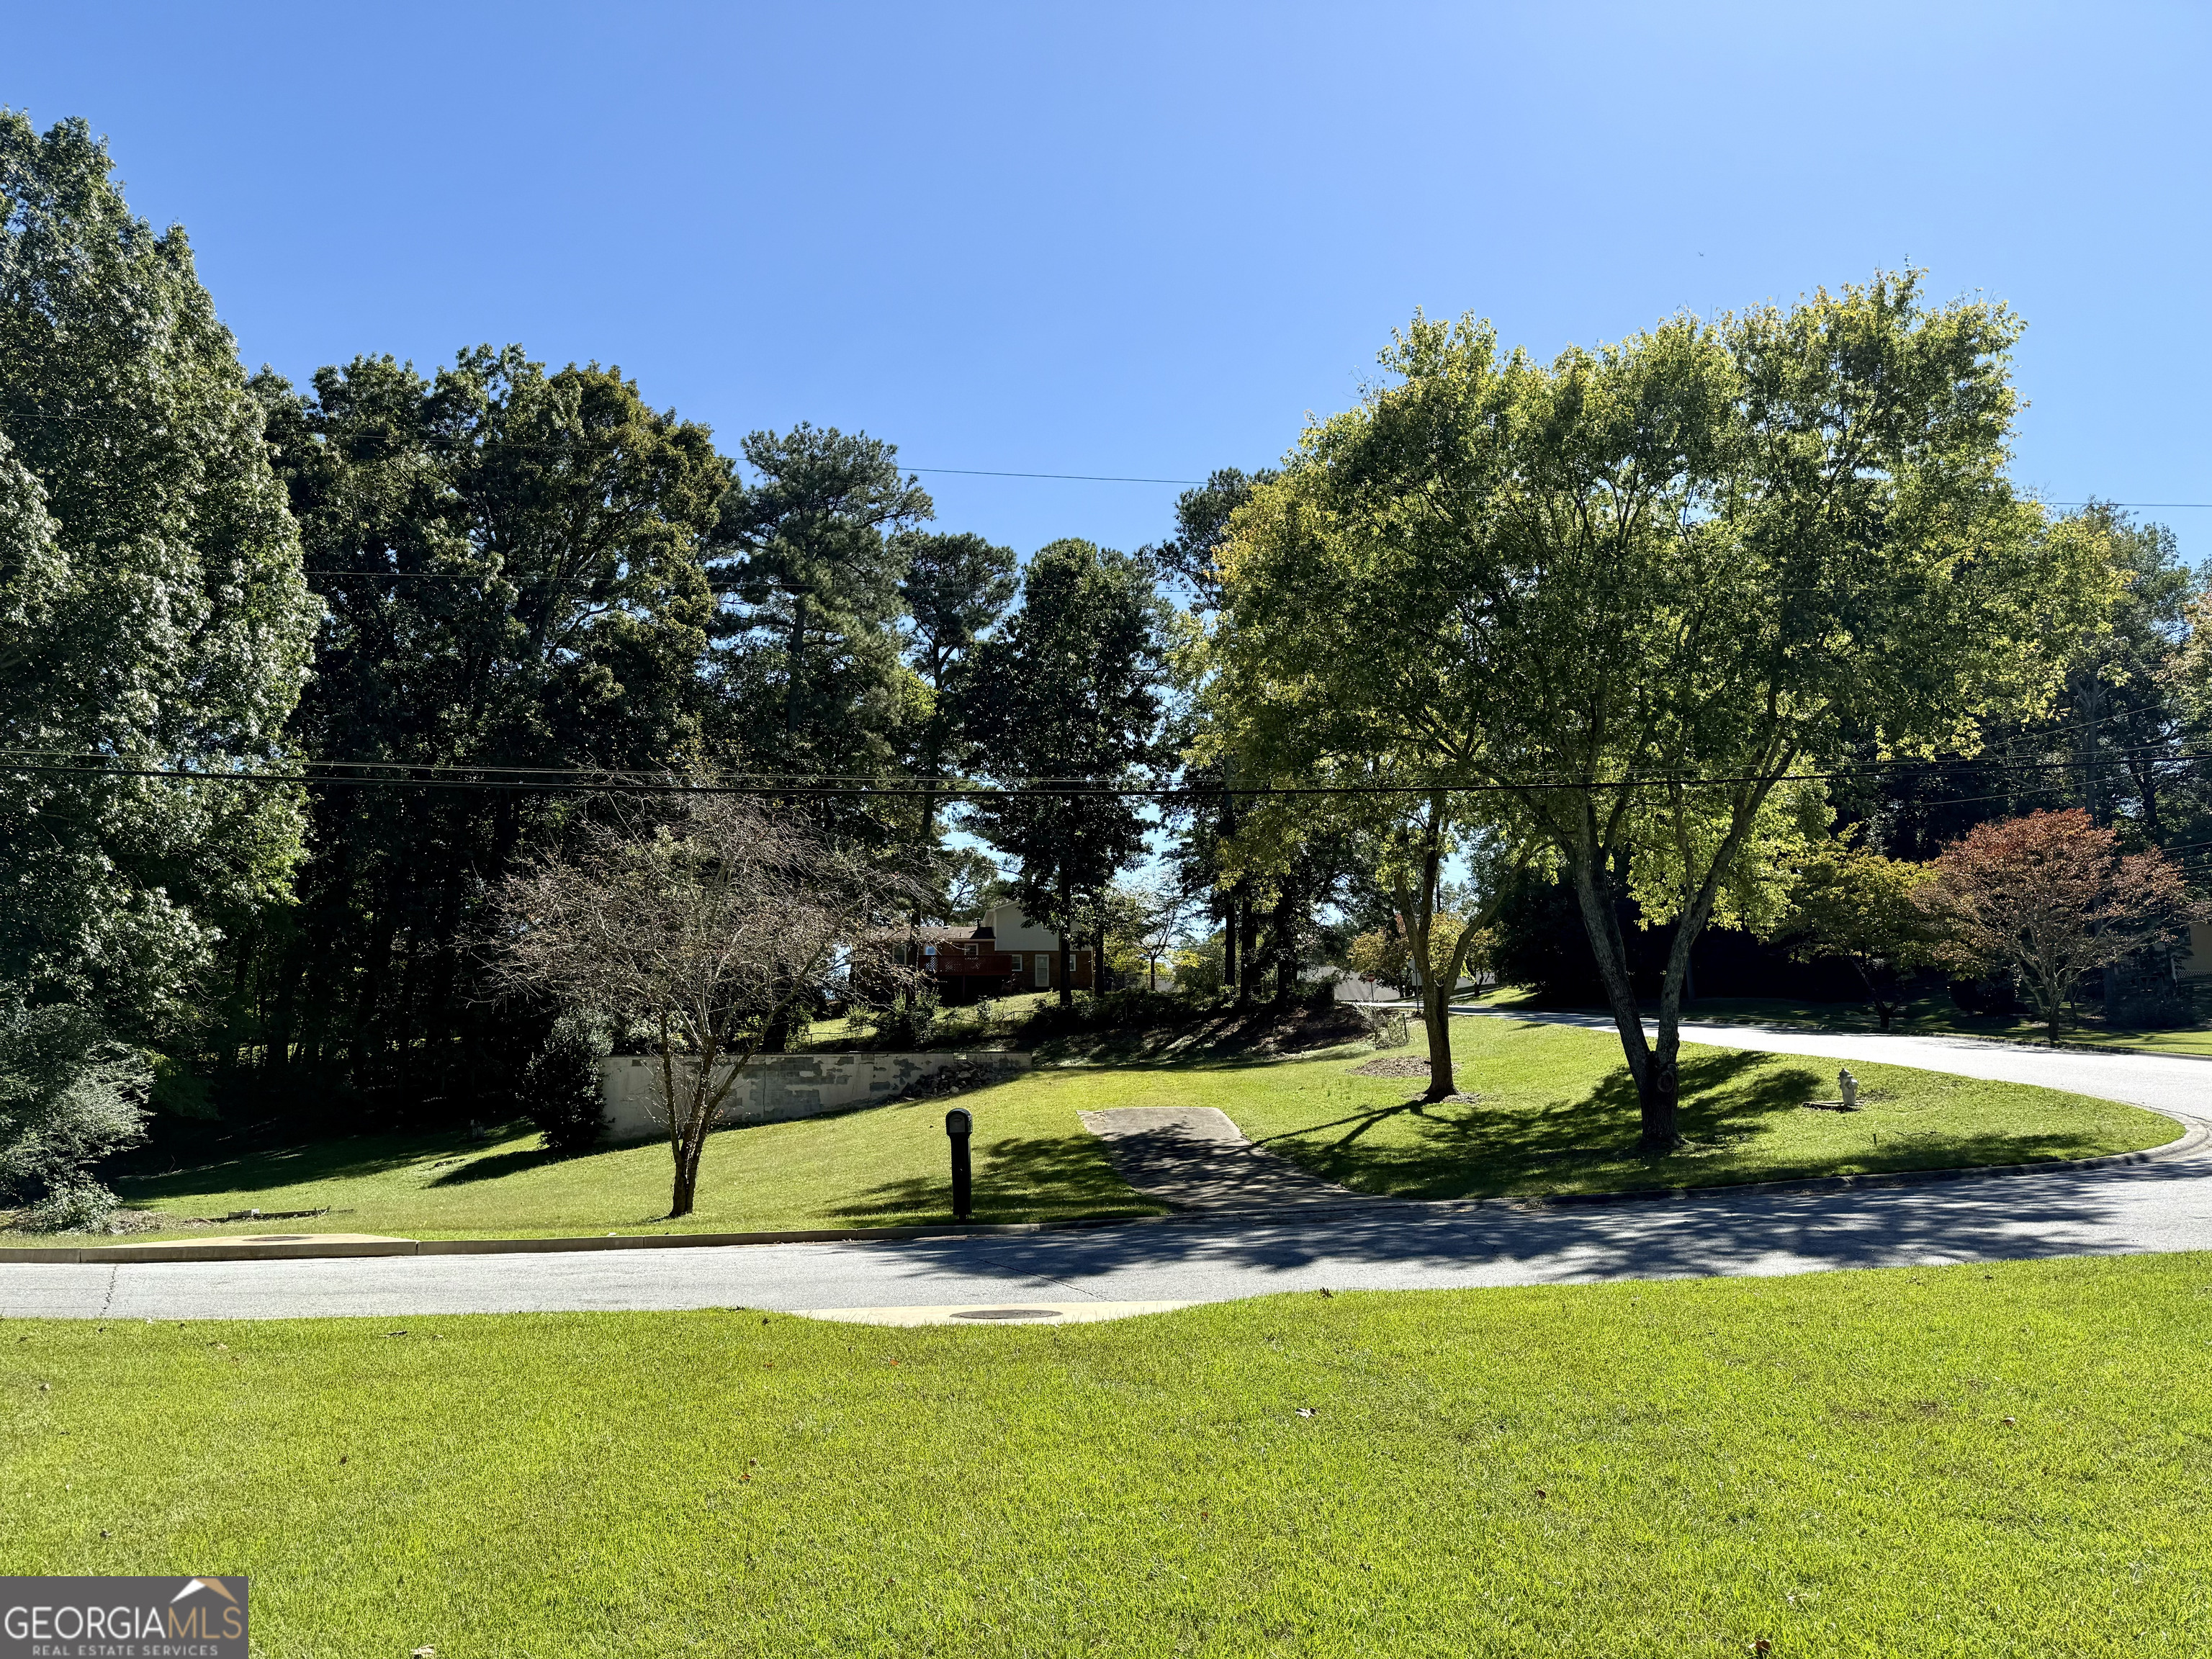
x=1008, y=1313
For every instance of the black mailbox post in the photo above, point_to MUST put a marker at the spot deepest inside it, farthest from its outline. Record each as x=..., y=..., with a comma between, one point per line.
x=959, y=1124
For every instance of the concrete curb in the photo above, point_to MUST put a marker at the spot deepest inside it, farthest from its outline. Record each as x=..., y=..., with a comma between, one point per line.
x=306, y=1250
x=2194, y=1138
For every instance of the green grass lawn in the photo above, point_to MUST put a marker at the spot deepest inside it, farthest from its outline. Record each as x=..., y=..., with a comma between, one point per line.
x=880, y=1167
x=1936, y=1015
x=2013, y=1461
x=1556, y=1115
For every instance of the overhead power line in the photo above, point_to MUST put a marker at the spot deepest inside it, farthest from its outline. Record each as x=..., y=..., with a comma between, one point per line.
x=1077, y=477
x=582, y=781
x=982, y=471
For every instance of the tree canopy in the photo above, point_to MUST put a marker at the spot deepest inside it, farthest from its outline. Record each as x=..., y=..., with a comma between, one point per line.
x=1071, y=687
x=1640, y=594
x=153, y=626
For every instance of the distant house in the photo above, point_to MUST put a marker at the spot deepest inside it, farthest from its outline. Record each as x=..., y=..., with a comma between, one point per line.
x=1005, y=953
x=2192, y=966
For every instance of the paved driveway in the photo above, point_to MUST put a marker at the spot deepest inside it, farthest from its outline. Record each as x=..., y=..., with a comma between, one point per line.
x=2160, y=1205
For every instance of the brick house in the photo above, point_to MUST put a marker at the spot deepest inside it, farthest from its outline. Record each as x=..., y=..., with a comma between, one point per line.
x=1004, y=953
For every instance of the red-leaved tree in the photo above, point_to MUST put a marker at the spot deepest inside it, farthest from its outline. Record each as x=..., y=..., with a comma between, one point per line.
x=2051, y=896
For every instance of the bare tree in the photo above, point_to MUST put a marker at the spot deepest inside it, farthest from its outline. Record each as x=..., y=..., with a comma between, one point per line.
x=707, y=918
x=2049, y=897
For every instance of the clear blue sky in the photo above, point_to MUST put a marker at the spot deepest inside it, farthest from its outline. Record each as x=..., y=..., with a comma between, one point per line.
x=1145, y=240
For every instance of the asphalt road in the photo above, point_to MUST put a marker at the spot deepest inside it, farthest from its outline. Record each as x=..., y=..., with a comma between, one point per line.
x=2165, y=1204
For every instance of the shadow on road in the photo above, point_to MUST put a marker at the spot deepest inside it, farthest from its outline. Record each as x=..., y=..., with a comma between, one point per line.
x=1967, y=1219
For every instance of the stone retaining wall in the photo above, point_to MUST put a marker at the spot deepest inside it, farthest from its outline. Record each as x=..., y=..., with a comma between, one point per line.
x=777, y=1087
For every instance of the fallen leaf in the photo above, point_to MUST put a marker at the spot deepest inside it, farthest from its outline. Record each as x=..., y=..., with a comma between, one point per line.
x=1541, y=1492
x=1308, y=1411
x=430, y=1653
x=2011, y=1420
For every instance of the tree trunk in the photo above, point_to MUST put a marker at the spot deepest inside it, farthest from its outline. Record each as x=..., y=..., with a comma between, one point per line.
x=684, y=1177
x=1416, y=916
x=1229, y=938
x=1067, y=955
x=792, y=675
x=928, y=838
x=1286, y=948
x=1248, y=919
x=1657, y=1086
x=1436, y=1015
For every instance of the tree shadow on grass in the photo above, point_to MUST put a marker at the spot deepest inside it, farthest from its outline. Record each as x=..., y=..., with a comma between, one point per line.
x=493, y=1166
x=1730, y=1098
x=1019, y=1178
x=263, y=1168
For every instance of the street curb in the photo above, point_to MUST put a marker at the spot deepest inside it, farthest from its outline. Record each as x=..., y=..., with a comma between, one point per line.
x=2194, y=1138
x=307, y=1250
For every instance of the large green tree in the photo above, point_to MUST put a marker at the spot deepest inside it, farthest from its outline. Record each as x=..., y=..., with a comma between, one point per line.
x=1639, y=594
x=955, y=588
x=1202, y=517
x=1074, y=683
x=807, y=557
x=512, y=563
x=153, y=619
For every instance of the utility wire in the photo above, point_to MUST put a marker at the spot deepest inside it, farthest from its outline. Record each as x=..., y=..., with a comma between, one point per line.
x=960, y=472
x=808, y=786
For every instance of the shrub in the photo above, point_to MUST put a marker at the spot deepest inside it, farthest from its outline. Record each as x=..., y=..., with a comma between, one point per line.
x=70, y=1095
x=895, y=1026
x=559, y=1088
x=1386, y=1027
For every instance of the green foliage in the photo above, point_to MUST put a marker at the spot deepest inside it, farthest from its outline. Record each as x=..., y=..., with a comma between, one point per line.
x=1869, y=911
x=807, y=557
x=558, y=1088
x=1735, y=550
x=895, y=1023
x=1198, y=970
x=152, y=613
x=70, y=1095
x=1380, y=954
x=513, y=563
x=1202, y=520
x=1073, y=681
x=954, y=588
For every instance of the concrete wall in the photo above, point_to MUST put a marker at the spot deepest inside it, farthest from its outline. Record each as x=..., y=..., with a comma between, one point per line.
x=777, y=1087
